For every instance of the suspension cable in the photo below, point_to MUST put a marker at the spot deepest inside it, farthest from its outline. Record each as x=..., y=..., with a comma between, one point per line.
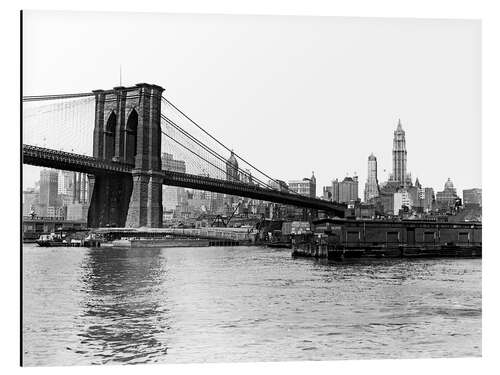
x=221, y=144
x=201, y=157
x=54, y=97
x=211, y=151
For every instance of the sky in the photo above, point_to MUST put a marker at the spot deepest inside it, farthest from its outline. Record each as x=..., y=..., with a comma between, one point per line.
x=291, y=94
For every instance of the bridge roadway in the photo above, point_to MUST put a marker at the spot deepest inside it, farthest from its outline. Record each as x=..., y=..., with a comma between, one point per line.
x=44, y=157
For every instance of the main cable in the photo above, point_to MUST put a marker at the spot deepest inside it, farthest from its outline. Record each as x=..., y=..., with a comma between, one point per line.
x=221, y=144
x=199, y=156
x=55, y=97
x=211, y=151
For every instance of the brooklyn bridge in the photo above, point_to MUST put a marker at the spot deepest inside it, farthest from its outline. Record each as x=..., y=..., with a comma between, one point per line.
x=117, y=137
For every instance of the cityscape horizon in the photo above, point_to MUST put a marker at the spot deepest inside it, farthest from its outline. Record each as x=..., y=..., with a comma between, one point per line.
x=382, y=182
x=216, y=188
x=344, y=101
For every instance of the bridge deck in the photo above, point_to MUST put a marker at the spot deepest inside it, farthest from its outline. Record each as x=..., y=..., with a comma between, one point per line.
x=44, y=157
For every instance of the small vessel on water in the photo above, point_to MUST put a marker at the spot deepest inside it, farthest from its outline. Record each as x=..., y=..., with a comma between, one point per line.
x=51, y=240
x=63, y=239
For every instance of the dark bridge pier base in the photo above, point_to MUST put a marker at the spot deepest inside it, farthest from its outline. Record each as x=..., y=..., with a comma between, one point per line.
x=146, y=209
x=109, y=201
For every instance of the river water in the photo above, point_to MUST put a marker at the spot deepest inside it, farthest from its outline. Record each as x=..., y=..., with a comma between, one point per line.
x=109, y=306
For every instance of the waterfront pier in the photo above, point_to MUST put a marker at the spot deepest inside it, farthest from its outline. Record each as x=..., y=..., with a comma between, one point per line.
x=175, y=237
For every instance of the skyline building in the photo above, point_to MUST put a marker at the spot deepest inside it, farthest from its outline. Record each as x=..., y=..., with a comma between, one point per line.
x=72, y=187
x=306, y=186
x=232, y=174
x=49, y=181
x=77, y=207
x=348, y=190
x=172, y=196
x=428, y=199
x=80, y=187
x=448, y=196
x=401, y=198
x=232, y=168
x=420, y=189
x=30, y=202
x=327, y=192
x=279, y=185
x=170, y=164
x=473, y=196
x=399, y=176
x=246, y=177
x=371, y=186
x=345, y=191
x=65, y=182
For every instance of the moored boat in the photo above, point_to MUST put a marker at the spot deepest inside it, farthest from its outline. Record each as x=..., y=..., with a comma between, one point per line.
x=51, y=240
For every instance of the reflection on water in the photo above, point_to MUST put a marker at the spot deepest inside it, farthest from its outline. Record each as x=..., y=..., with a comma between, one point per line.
x=123, y=314
x=98, y=306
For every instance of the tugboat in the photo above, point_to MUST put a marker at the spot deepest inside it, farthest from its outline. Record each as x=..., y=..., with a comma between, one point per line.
x=51, y=240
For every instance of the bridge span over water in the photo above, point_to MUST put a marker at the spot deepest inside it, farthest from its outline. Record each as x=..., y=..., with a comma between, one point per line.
x=131, y=128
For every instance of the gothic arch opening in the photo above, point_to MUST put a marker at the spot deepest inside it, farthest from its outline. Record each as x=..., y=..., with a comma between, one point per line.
x=131, y=137
x=109, y=137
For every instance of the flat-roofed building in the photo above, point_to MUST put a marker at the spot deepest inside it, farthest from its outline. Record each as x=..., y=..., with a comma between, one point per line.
x=306, y=186
x=472, y=196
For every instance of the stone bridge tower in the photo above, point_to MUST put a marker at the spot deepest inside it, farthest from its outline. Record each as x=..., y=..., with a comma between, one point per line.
x=128, y=129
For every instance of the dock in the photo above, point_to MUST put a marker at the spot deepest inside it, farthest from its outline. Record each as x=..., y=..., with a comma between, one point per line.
x=175, y=237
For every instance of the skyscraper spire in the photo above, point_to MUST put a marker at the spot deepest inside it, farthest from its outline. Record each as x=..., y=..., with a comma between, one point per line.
x=399, y=153
x=417, y=183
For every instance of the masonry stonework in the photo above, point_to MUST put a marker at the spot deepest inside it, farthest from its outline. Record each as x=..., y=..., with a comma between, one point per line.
x=128, y=129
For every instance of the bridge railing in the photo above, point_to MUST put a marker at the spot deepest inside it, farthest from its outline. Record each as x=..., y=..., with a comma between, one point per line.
x=241, y=188
x=40, y=156
x=43, y=156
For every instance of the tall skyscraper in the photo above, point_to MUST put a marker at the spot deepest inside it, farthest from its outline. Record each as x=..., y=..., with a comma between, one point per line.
x=232, y=168
x=172, y=195
x=345, y=191
x=232, y=174
x=335, y=190
x=420, y=189
x=65, y=182
x=399, y=158
x=49, y=179
x=371, y=186
x=348, y=190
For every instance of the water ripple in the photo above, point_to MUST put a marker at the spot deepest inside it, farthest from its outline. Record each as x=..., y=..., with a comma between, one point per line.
x=95, y=306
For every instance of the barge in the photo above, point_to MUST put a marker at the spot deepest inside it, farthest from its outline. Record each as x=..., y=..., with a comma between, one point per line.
x=344, y=238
